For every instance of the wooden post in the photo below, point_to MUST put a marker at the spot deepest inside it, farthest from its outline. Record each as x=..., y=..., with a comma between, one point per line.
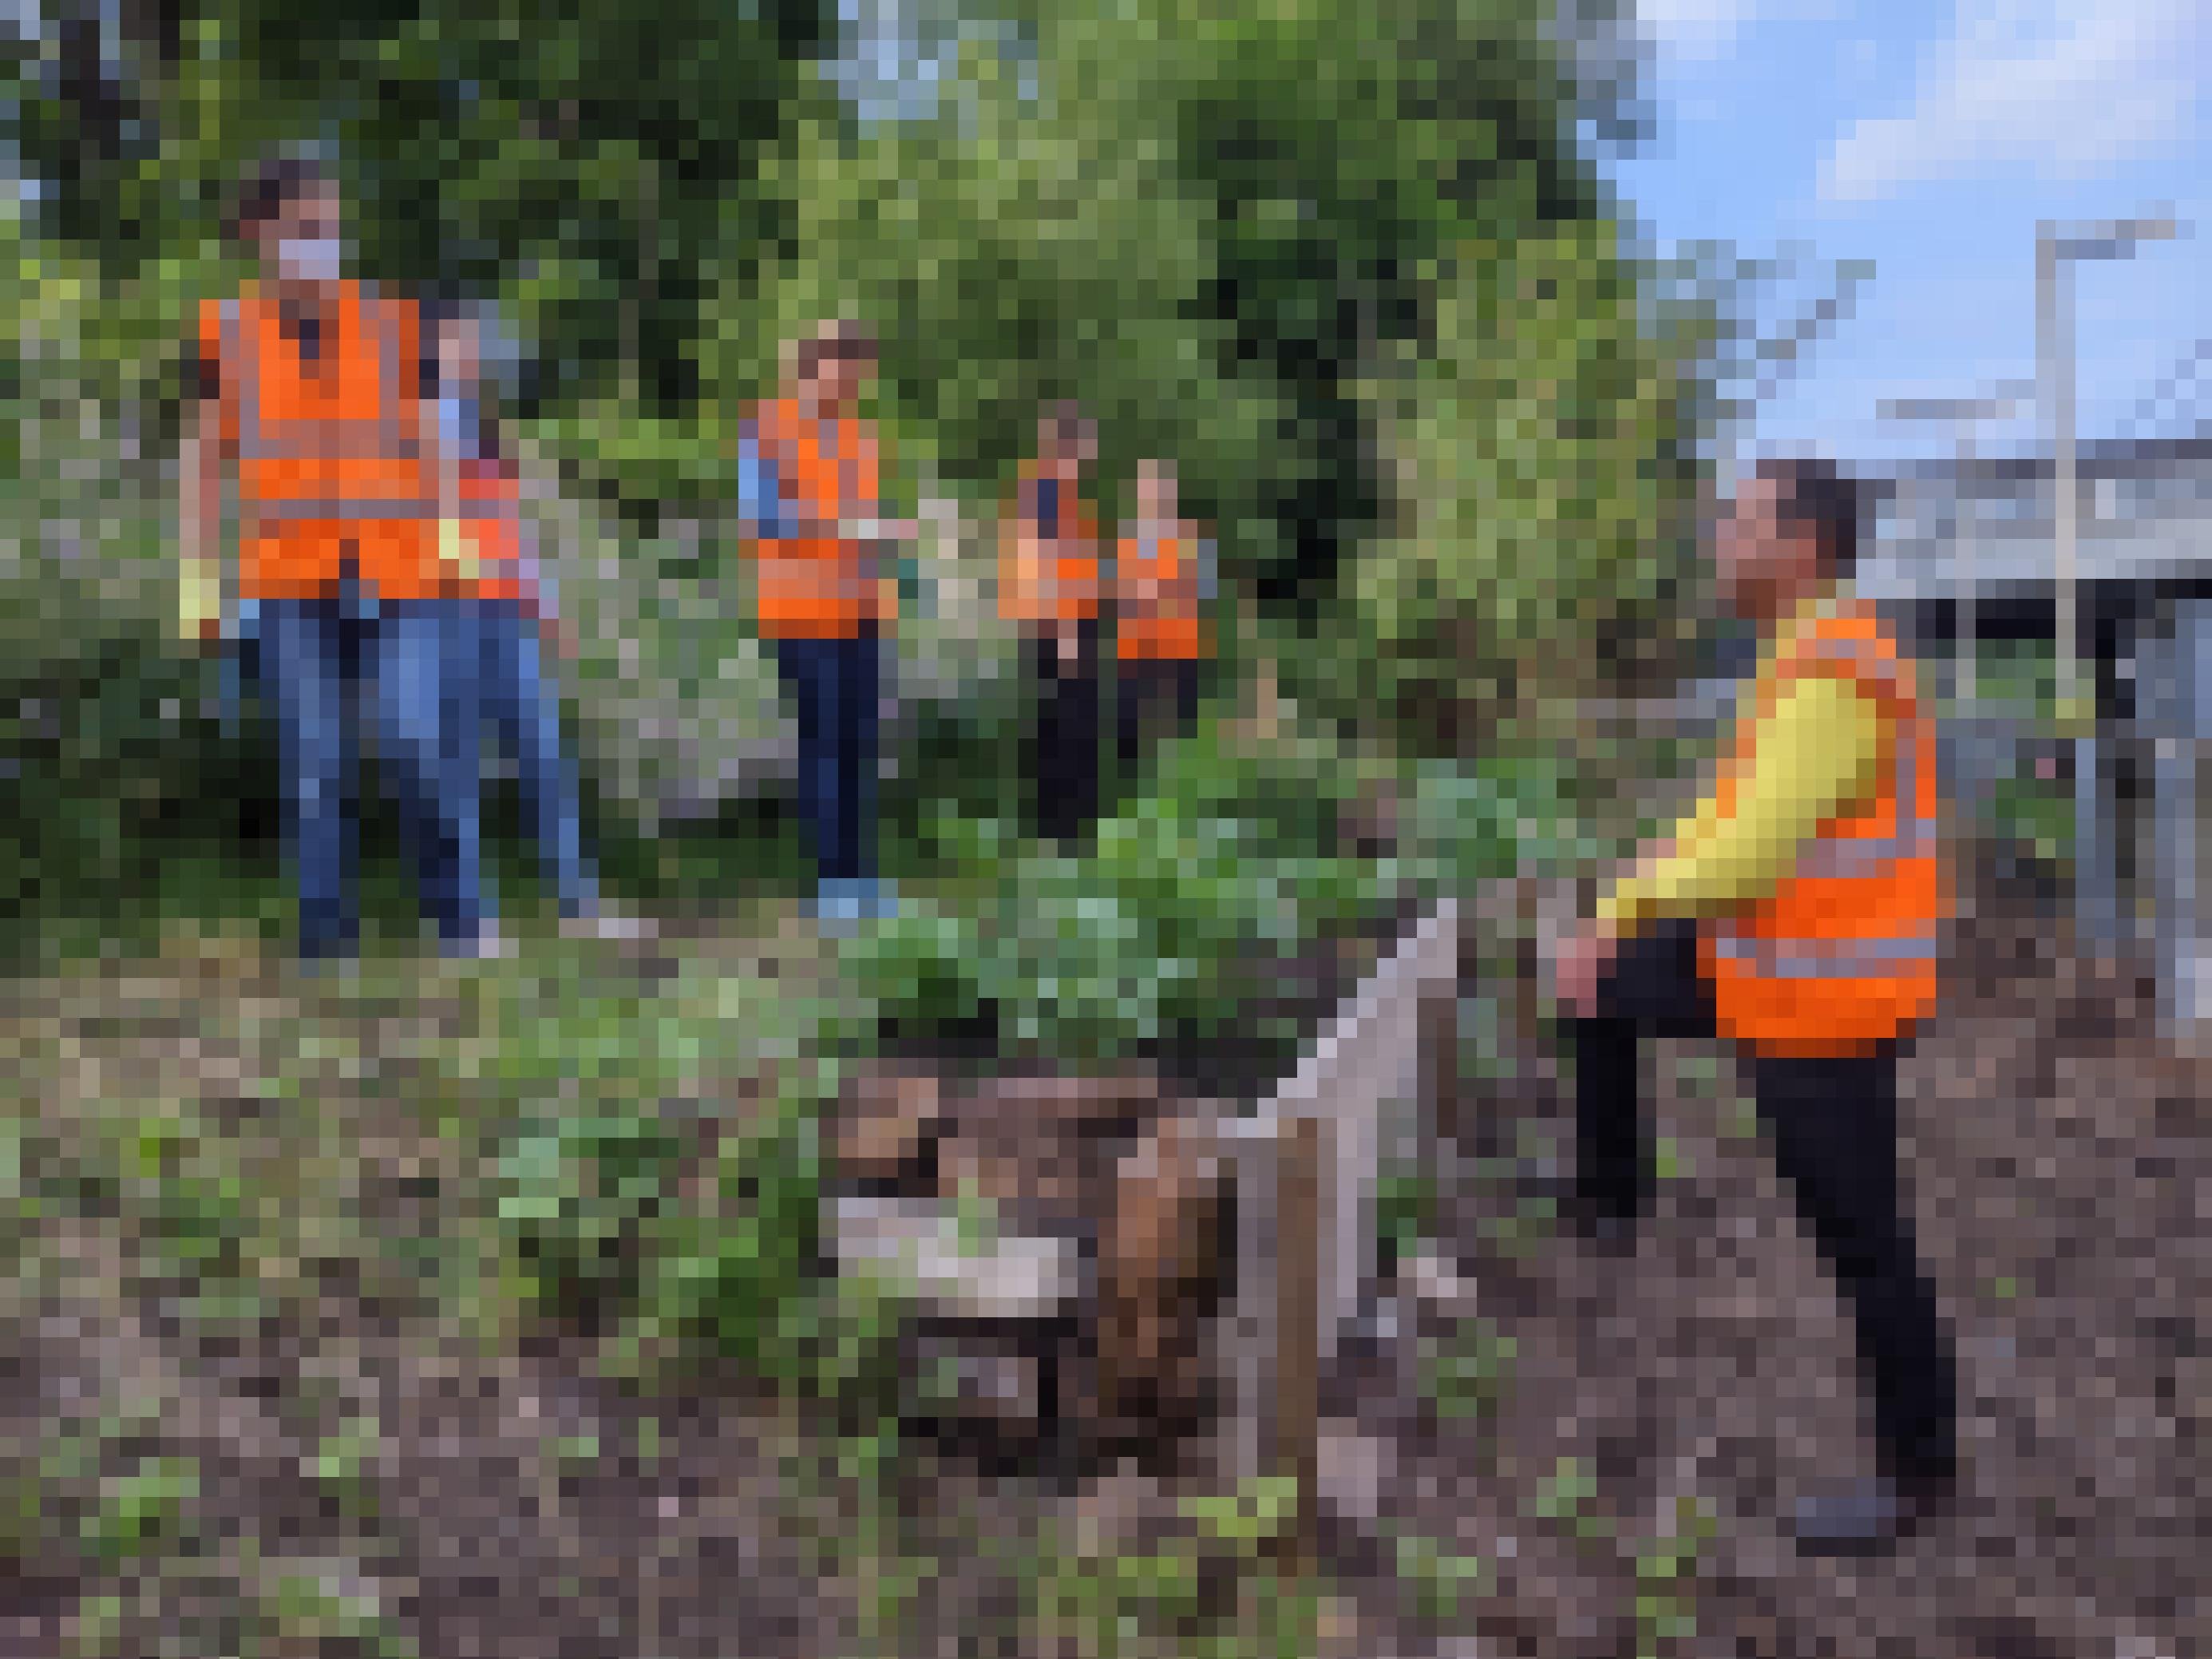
x=1255, y=1144
x=1298, y=1330
x=1440, y=1132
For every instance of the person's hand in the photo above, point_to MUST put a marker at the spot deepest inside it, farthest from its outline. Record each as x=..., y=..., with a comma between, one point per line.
x=1581, y=966
x=560, y=639
x=1071, y=646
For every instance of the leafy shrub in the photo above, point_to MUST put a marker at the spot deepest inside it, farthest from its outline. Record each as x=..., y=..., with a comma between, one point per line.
x=1170, y=931
x=577, y=1196
x=735, y=1276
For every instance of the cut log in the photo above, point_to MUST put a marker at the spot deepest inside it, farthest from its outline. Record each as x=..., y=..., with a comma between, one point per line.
x=1159, y=1264
x=886, y=1124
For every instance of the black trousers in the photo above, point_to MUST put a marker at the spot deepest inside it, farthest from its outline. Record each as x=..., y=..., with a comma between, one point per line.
x=1063, y=759
x=1832, y=1124
x=1151, y=700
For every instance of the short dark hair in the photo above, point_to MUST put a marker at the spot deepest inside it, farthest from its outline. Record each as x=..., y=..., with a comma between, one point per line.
x=1816, y=495
x=273, y=185
x=1066, y=422
x=843, y=341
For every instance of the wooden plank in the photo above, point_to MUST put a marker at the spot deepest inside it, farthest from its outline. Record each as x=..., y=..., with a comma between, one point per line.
x=1297, y=1380
x=1250, y=1334
x=1362, y=1080
x=918, y=1246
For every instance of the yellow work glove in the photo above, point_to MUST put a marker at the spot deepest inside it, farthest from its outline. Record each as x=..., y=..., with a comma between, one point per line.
x=457, y=548
x=199, y=610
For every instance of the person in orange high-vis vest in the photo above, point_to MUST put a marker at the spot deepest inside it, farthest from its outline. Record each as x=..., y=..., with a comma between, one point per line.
x=1048, y=589
x=310, y=383
x=1163, y=577
x=808, y=503
x=1797, y=913
x=513, y=601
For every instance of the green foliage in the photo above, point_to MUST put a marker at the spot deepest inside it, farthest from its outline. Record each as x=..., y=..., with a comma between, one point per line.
x=1405, y=1211
x=1666, y=1567
x=140, y=1510
x=736, y=1274
x=1254, y=1514
x=1568, y=1498
x=1464, y=1373
x=1440, y=1579
x=1517, y=808
x=577, y=1195
x=589, y=167
x=1532, y=436
x=1213, y=1592
x=1170, y=931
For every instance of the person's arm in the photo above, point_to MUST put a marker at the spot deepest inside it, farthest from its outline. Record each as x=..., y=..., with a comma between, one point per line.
x=199, y=478
x=759, y=514
x=1816, y=751
x=455, y=546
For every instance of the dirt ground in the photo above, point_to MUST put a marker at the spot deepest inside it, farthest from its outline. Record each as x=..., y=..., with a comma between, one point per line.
x=2060, y=1166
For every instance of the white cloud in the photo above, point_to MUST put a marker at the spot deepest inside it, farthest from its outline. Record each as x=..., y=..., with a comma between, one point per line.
x=1692, y=30
x=2070, y=88
x=1695, y=28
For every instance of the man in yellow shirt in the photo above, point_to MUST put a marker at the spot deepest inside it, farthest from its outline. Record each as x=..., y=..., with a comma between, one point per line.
x=1794, y=913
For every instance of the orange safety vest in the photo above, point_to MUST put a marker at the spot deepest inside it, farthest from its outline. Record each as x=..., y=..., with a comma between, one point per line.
x=810, y=587
x=1163, y=630
x=331, y=472
x=1843, y=954
x=1062, y=586
x=491, y=507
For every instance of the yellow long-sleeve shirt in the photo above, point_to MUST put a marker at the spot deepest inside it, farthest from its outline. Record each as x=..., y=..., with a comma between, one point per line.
x=1816, y=750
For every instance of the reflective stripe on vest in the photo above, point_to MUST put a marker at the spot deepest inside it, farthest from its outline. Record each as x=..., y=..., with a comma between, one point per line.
x=1843, y=958
x=1914, y=836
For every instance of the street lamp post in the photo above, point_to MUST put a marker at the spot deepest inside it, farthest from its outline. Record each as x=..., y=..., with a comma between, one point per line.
x=2056, y=248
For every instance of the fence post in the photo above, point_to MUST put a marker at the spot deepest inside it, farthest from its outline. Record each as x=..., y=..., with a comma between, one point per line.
x=2184, y=686
x=1297, y=1324
x=1255, y=1144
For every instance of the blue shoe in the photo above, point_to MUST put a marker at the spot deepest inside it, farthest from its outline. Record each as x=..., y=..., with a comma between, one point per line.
x=879, y=901
x=838, y=904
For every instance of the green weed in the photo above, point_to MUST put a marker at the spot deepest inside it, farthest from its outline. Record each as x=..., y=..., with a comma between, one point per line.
x=1440, y=1579
x=1568, y=1497
x=1463, y=1373
x=1665, y=1569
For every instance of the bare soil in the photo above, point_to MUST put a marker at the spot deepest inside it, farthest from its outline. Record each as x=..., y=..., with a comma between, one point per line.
x=2060, y=1168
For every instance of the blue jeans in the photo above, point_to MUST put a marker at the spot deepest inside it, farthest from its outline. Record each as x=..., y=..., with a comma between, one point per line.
x=407, y=668
x=835, y=684
x=525, y=713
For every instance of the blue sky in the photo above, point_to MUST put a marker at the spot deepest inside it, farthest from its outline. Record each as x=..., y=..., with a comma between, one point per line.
x=1929, y=136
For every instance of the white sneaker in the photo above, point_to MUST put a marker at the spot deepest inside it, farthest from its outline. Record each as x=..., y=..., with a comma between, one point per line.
x=611, y=926
x=494, y=943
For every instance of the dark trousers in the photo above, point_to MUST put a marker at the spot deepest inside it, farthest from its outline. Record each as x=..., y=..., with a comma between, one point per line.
x=835, y=684
x=1153, y=699
x=1063, y=759
x=1832, y=1124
